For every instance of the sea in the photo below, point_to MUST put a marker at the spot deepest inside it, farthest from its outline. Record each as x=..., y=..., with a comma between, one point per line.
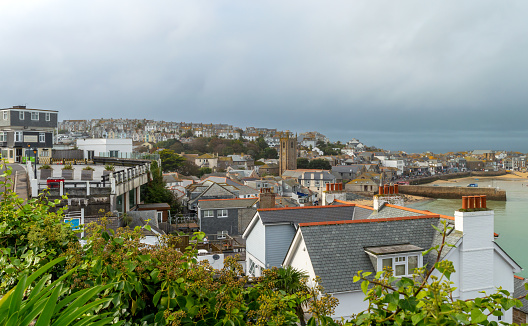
x=511, y=216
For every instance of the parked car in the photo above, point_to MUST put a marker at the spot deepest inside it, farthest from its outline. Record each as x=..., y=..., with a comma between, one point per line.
x=473, y=185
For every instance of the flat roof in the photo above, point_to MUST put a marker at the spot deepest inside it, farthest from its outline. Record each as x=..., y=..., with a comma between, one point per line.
x=393, y=249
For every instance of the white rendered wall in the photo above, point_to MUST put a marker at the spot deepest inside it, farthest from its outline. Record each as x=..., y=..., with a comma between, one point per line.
x=103, y=145
x=349, y=303
x=476, y=253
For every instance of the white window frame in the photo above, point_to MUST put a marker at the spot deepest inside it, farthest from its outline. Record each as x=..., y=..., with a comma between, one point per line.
x=21, y=115
x=220, y=213
x=34, y=116
x=3, y=136
x=42, y=137
x=18, y=136
x=5, y=115
x=208, y=213
x=48, y=116
x=220, y=235
x=401, y=259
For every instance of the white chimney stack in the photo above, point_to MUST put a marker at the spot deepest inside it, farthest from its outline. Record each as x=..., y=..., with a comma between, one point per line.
x=476, y=267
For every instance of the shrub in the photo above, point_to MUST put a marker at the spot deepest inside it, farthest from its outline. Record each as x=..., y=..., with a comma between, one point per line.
x=68, y=167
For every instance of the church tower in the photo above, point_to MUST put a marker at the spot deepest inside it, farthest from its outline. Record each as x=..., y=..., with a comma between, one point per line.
x=288, y=152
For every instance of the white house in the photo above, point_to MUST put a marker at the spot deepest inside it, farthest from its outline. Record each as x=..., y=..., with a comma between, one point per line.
x=336, y=251
x=121, y=148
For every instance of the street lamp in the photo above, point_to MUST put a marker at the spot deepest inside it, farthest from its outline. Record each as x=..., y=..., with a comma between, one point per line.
x=35, y=155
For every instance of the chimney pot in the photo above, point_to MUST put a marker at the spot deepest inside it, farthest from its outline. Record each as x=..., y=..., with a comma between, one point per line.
x=380, y=190
x=386, y=189
x=477, y=201
x=327, y=187
x=464, y=202
x=396, y=190
x=471, y=202
x=483, y=201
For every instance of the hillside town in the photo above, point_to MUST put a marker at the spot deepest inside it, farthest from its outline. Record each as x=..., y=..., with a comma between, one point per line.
x=270, y=198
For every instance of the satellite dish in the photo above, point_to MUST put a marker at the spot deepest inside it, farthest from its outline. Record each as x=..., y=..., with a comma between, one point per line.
x=216, y=257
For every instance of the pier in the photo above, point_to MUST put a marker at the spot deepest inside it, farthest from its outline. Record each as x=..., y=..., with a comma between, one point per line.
x=452, y=192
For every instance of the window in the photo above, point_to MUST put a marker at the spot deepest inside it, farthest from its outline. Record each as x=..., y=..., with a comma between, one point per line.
x=21, y=115
x=160, y=216
x=307, y=183
x=401, y=265
x=208, y=214
x=221, y=235
x=3, y=136
x=18, y=136
x=48, y=116
x=42, y=137
x=5, y=115
x=222, y=213
x=34, y=116
x=317, y=183
x=44, y=153
x=114, y=153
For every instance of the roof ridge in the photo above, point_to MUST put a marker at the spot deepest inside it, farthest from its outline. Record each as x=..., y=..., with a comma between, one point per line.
x=303, y=207
x=375, y=220
x=229, y=199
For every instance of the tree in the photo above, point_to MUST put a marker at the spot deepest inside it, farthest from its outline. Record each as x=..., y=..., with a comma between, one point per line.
x=189, y=168
x=303, y=163
x=320, y=163
x=156, y=191
x=170, y=161
x=271, y=153
x=204, y=170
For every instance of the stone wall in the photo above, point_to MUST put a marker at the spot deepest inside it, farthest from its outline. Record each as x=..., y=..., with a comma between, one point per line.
x=519, y=317
x=422, y=181
x=453, y=192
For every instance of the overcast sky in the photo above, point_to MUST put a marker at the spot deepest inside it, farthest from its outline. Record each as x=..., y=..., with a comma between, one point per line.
x=401, y=75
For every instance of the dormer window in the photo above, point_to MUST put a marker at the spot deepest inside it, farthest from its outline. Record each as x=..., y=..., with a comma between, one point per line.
x=404, y=259
x=21, y=115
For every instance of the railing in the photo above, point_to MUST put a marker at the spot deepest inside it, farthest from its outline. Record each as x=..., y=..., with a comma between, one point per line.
x=134, y=156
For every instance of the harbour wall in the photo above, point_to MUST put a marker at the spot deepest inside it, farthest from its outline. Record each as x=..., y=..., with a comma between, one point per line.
x=453, y=192
x=457, y=175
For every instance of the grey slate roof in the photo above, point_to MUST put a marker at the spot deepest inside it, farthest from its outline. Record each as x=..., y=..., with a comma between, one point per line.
x=312, y=214
x=337, y=250
x=388, y=212
x=519, y=290
x=229, y=203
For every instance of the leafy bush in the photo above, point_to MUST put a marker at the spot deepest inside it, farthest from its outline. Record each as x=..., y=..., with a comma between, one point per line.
x=68, y=167
x=88, y=168
x=44, y=167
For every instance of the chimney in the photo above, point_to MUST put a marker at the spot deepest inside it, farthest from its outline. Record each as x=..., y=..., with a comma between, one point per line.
x=388, y=194
x=476, y=222
x=267, y=198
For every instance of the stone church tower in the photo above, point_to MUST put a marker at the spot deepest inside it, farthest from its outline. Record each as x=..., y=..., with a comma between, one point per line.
x=287, y=153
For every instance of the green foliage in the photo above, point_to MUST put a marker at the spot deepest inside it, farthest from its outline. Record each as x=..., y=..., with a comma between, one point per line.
x=320, y=164
x=109, y=167
x=88, y=168
x=52, y=303
x=303, y=163
x=204, y=170
x=31, y=234
x=156, y=191
x=170, y=161
x=329, y=148
x=44, y=167
x=68, y=167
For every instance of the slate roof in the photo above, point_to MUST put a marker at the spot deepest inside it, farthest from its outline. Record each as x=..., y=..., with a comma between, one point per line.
x=388, y=212
x=307, y=214
x=337, y=250
x=226, y=203
x=519, y=290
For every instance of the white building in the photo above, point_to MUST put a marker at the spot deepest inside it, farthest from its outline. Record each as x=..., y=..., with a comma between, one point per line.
x=121, y=148
x=368, y=244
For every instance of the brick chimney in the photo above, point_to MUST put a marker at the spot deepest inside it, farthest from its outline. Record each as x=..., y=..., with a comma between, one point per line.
x=388, y=194
x=476, y=270
x=267, y=198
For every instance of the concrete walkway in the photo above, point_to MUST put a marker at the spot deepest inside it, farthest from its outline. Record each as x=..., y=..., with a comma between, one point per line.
x=19, y=180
